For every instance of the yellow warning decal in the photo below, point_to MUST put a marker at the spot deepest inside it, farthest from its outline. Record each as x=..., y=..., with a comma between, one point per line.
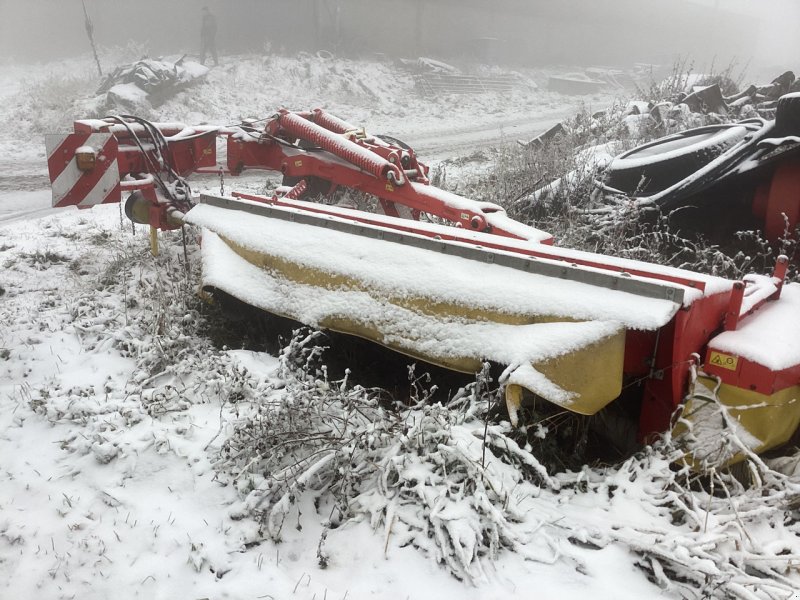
x=465, y=216
x=389, y=187
x=298, y=163
x=724, y=361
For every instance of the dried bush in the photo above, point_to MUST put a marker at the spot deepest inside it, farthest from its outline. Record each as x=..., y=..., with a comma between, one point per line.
x=437, y=477
x=459, y=487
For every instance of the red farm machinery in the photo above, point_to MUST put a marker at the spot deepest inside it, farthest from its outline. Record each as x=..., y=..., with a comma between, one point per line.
x=449, y=280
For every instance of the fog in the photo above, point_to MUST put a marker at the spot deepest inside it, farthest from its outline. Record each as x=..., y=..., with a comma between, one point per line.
x=759, y=34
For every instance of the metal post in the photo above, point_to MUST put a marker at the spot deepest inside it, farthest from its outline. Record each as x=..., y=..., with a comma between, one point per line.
x=153, y=241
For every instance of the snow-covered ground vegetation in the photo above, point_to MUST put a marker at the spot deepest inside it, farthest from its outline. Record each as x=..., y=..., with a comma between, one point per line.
x=143, y=453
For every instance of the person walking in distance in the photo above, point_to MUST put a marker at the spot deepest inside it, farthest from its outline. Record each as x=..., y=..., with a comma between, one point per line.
x=208, y=37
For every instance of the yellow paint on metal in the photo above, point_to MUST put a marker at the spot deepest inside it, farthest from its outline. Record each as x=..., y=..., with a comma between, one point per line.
x=771, y=419
x=724, y=361
x=153, y=241
x=342, y=324
x=285, y=269
x=515, y=394
x=593, y=374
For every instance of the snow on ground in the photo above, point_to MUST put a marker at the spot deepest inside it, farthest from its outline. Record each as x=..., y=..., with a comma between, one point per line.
x=107, y=482
x=114, y=405
x=46, y=98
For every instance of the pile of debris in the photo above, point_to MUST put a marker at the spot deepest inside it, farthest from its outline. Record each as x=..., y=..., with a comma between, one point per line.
x=147, y=83
x=708, y=97
x=731, y=158
x=693, y=101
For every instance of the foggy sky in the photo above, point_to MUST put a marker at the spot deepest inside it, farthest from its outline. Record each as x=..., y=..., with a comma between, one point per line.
x=761, y=33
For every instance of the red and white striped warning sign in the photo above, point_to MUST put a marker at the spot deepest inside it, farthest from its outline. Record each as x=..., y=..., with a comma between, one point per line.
x=73, y=187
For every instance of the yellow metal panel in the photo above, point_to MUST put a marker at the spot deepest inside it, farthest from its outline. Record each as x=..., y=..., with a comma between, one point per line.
x=302, y=274
x=593, y=374
x=770, y=419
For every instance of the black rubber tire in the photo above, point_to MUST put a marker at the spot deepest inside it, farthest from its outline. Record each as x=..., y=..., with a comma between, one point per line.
x=787, y=116
x=657, y=165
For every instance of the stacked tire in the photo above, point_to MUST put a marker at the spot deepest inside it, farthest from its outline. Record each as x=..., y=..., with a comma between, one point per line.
x=658, y=165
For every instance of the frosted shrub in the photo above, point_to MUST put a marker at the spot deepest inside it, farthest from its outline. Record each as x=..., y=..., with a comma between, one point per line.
x=421, y=473
x=49, y=104
x=460, y=488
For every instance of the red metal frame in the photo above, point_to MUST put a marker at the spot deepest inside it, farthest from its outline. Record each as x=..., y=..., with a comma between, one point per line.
x=777, y=201
x=343, y=155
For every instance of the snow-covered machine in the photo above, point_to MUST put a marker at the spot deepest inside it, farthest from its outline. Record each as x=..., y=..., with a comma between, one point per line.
x=750, y=167
x=450, y=280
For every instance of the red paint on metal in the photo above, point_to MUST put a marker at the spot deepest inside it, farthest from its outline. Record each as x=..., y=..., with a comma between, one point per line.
x=640, y=348
x=189, y=154
x=83, y=188
x=681, y=343
x=63, y=155
x=114, y=196
x=330, y=122
x=734, y=306
x=759, y=204
x=296, y=163
x=86, y=181
x=662, y=358
x=783, y=202
x=779, y=274
x=389, y=208
x=340, y=146
x=297, y=190
x=751, y=375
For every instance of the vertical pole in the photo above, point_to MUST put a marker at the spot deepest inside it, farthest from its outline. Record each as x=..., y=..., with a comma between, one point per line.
x=338, y=25
x=153, y=241
x=734, y=306
x=779, y=274
x=90, y=33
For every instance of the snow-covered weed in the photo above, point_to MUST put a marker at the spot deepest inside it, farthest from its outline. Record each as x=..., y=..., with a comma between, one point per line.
x=684, y=75
x=48, y=104
x=421, y=474
x=50, y=101
x=555, y=186
x=445, y=479
x=137, y=307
